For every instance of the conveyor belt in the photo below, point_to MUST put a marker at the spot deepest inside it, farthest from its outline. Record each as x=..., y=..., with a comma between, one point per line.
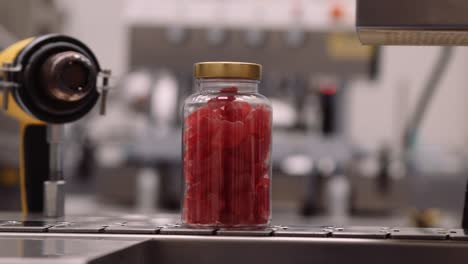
x=142, y=227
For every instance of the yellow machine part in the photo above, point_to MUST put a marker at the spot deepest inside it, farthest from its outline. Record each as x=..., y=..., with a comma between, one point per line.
x=8, y=56
x=14, y=110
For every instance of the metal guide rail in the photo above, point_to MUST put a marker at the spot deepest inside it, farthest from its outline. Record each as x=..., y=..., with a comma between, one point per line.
x=123, y=227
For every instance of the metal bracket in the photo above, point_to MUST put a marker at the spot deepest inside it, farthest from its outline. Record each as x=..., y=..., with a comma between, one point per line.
x=7, y=86
x=104, y=89
x=9, y=67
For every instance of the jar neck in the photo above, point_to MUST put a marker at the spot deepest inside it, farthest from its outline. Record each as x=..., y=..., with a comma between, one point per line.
x=218, y=85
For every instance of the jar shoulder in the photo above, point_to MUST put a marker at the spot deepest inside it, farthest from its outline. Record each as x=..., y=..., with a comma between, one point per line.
x=253, y=98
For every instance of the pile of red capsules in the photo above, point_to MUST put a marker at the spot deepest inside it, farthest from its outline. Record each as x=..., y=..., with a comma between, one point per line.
x=226, y=163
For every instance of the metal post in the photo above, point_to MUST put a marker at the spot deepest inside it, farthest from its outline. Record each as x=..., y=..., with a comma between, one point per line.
x=54, y=188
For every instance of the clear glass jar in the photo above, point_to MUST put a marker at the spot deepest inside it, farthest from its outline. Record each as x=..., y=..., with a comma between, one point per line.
x=227, y=148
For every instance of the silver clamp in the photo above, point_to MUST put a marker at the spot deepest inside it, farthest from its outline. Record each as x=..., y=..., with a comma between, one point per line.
x=105, y=75
x=7, y=86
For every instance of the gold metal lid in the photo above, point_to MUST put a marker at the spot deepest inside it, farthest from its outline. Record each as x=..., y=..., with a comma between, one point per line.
x=228, y=69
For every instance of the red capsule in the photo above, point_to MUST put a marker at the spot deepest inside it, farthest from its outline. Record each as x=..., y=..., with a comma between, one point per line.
x=237, y=111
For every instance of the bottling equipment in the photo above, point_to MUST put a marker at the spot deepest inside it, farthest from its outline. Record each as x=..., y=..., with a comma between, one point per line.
x=160, y=239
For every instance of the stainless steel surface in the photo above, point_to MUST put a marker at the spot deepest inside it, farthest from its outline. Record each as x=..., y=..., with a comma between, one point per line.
x=133, y=228
x=417, y=22
x=63, y=250
x=234, y=232
x=180, y=230
x=78, y=227
x=301, y=250
x=24, y=226
x=215, y=249
x=54, y=198
x=362, y=232
x=303, y=231
x=419, y=233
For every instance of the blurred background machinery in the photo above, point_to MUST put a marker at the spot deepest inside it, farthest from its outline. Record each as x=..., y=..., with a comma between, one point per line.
x=308, y=66
x=340, y=109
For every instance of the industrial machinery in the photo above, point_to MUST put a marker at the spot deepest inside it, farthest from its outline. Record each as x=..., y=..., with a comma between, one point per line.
x=160, y=239
x=419, y=22
x=47, y=81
